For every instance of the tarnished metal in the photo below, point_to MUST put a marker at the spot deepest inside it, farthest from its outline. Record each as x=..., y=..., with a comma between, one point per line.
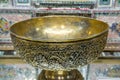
x=59, y=42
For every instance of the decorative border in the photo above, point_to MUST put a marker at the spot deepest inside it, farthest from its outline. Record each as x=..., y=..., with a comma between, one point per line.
x=22, y=3
x=104, y=3
x=5, y=3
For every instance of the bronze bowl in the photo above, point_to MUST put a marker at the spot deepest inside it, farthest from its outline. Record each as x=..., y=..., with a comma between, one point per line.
x=59, y=42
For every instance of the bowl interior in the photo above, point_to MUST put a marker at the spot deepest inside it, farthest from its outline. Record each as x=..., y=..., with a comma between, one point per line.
x=58, y=28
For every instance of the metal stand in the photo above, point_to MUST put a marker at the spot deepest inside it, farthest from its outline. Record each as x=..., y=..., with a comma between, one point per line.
x=60, y=75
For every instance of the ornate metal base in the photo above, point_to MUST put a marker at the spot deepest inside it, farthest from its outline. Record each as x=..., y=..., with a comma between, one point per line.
x=60, y=75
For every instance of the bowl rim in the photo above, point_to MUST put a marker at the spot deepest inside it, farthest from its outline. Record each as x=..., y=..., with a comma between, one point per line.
x=60, y=41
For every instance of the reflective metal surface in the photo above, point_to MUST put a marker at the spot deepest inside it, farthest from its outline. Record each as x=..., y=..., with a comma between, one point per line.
x=58, y=29
x=59, y=42
x=60, y=75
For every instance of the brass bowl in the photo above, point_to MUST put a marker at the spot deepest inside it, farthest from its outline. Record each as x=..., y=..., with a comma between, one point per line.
x=59, y=42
